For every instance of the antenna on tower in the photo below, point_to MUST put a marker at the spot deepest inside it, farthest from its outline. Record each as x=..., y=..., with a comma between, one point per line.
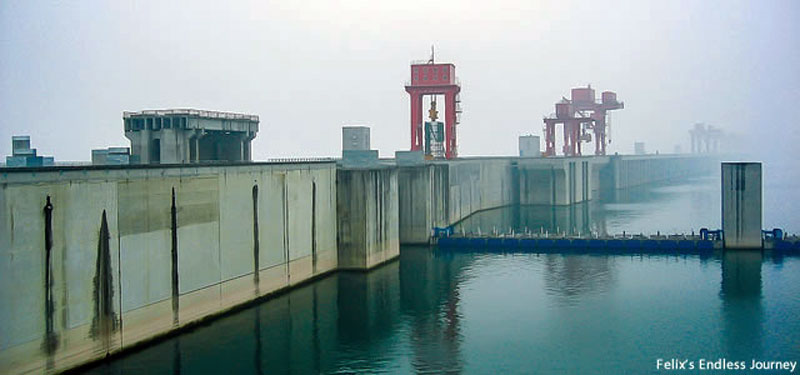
x=432, y=56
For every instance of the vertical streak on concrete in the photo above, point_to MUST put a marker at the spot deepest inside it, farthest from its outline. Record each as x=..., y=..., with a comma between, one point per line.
x=174, y=231
x=119, y=279
x=553, y=186
x=104, y=321
x=314, y=226
x=255, y=239
x=50, y=342
x=285, y=199
x=377, y=183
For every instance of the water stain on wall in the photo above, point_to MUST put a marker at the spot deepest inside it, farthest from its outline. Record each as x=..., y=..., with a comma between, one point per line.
x=50, y=342
x=314, y=226
x=174, y=250
x=255, y=238
x=104, y=321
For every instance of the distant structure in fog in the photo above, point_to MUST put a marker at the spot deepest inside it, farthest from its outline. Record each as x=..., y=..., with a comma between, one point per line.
x=705, y=139
x=22, y=155
x=529, y=146
x=174, y=136
x=638, y=148
x=580, y=116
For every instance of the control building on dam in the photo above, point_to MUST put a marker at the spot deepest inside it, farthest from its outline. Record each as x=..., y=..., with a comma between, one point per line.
x=174, y=136
x=98, y=259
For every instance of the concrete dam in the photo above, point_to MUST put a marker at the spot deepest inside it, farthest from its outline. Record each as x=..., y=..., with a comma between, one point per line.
x=95, y=260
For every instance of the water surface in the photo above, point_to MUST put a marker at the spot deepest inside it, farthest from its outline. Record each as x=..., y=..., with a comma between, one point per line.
x=470, y=312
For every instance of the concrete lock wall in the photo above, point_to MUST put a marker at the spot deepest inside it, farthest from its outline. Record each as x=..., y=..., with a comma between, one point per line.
x=442, y=193
x=557, y=181
x=367, y=205
x=478, y=184
x=122, y=255
x=631, y=171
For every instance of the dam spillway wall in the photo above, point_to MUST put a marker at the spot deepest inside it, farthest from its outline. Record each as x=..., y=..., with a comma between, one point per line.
x=102, y=259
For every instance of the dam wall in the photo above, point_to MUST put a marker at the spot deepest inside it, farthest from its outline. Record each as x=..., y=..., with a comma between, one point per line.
x=95, y=260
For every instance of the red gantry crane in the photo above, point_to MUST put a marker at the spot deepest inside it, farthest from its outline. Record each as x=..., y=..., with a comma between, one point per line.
x=580, y=115
x=431, y=78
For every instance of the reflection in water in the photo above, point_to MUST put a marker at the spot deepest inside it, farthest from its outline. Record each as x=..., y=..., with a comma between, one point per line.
x=740, y=291
x=430, y=296
x=458, y=312
x=571, y=277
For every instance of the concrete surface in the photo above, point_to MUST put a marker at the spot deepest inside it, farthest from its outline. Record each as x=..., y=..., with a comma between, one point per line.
x=108, y=293
x=741, y=205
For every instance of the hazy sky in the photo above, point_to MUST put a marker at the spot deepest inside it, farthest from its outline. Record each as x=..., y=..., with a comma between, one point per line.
x=69, y=69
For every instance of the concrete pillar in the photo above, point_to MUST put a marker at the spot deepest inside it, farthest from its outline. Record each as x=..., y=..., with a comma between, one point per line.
x=741, y=205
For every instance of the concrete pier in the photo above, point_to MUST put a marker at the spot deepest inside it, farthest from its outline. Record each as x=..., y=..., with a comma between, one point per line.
x=741, y=205
x=423, y=199
x=367, y=217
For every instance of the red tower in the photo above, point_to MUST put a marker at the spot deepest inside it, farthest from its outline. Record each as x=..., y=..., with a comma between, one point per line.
x=580, y=115
x=434, y=79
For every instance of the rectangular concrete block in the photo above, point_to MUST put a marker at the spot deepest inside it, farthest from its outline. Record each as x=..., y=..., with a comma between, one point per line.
x=741, y=205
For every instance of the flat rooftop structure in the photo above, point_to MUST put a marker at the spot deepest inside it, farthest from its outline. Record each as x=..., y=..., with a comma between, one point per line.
x=186, y=135
x=191, y=112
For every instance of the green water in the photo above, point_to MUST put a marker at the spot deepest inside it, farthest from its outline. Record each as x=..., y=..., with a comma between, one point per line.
x=476, y=313
x=442, y=312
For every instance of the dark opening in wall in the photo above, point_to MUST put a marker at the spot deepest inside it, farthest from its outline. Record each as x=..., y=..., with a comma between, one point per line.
x=155, y=151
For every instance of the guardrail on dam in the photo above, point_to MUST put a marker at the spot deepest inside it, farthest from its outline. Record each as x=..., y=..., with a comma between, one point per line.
x=95, y=260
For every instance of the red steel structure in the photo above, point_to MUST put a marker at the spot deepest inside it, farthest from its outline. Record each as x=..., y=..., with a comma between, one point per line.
x=579, y=115
x=434, y=79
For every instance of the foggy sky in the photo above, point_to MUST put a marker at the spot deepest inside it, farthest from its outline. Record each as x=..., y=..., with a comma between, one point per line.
x=69, y=69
